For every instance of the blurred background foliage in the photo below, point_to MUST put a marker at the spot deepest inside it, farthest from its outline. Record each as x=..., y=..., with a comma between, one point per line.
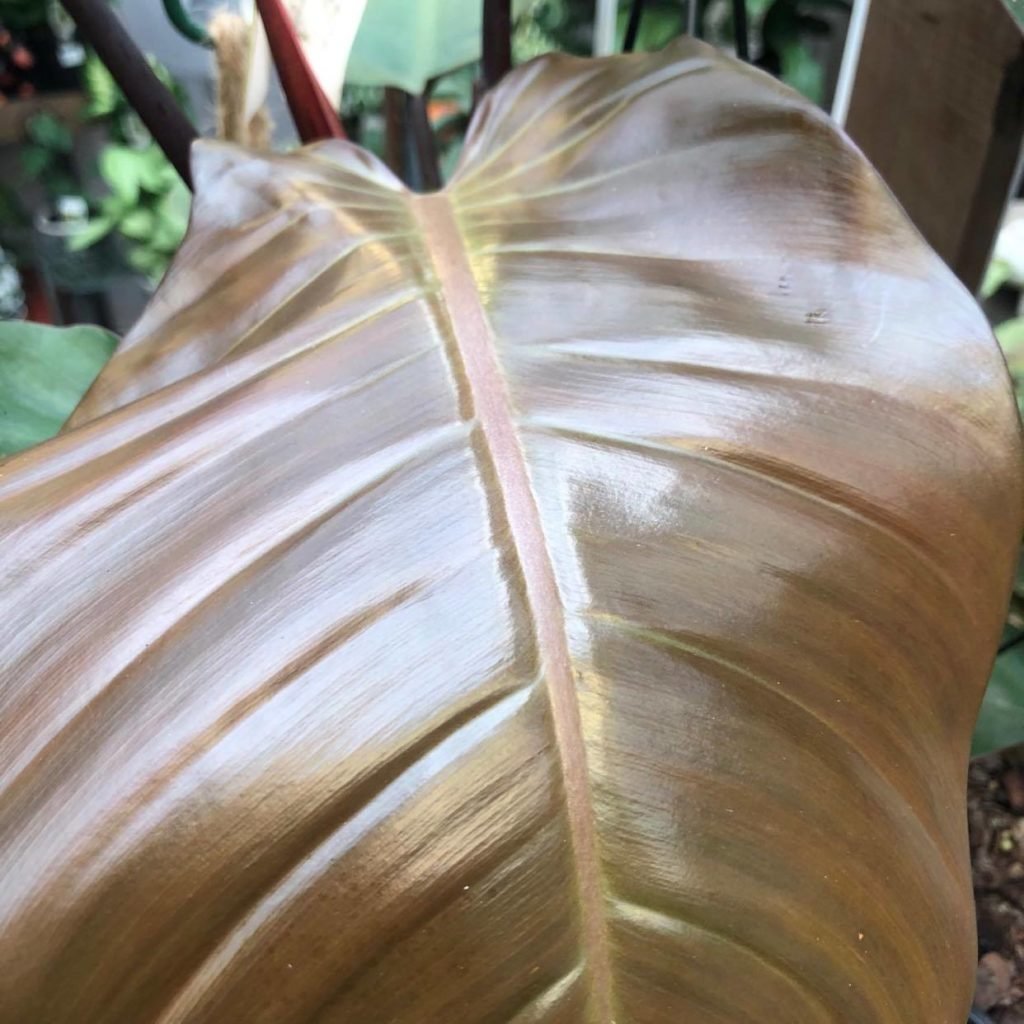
x=799, y=41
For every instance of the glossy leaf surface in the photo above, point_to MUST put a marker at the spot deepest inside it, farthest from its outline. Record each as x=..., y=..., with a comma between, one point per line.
x=564, y=598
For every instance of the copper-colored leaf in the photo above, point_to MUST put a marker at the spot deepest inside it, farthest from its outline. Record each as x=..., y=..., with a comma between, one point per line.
x=565, y=598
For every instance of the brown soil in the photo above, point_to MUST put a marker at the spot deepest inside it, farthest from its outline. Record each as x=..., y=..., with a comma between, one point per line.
x=995, y=795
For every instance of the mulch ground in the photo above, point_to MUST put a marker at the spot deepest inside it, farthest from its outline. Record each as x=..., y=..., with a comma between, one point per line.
x=995, y=807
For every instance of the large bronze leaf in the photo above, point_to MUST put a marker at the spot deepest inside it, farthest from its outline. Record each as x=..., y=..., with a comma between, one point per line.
x=565, y=598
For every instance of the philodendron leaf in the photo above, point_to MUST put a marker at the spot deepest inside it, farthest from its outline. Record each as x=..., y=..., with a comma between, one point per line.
x=44, y=371
x=562, y=598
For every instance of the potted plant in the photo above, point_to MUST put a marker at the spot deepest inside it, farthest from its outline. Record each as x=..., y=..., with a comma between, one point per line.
x=48, y=161
x=147, y=205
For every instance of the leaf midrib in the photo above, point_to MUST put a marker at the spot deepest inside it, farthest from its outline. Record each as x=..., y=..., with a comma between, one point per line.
x=474, y=357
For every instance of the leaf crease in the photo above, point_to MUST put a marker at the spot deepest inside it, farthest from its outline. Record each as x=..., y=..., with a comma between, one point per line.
x=800, y=483
x=898, y=805
x=656, y=920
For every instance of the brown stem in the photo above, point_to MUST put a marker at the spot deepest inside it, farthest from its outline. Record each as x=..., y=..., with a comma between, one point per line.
x=151, y=99
x=497, y=41
x=740, y=29
x=636, y=11
x=426, y=145
x=394, y=135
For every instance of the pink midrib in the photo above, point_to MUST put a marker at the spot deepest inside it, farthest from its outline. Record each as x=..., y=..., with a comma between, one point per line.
x=492, y=409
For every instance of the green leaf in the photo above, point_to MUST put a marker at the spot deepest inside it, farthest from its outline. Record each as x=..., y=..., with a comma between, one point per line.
x=450, y=159
x=802, y=72
x=47, y=130
x=138, y=223
x=155, y=172
x=44, y=371
x=113, y=206
x=997, y=274
x=90, y=233
x=175, y=205
x=148, y=261
x=406, y=44
x=1010, y=334
x=172, y=212
x=132, y=130
x=121, y=167
x=657, y=26
x=457, y=85
x=167, y=237
x=1016, y=8
x=36, y=160
x=100, y=87
x=1001, y=719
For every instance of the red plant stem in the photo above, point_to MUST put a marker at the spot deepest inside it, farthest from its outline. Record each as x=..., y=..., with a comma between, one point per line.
x=151, y=99
x=313, y=113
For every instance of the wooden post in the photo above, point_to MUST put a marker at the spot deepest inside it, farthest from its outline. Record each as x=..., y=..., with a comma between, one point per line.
x=938, y=107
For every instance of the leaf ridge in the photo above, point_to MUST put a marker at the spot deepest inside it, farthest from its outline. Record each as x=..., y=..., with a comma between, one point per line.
x=490, y=709
x=484, y=392
x=275, y=546
x=617, y=98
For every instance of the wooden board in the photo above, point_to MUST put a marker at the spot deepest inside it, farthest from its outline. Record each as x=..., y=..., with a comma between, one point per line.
x=938, y=107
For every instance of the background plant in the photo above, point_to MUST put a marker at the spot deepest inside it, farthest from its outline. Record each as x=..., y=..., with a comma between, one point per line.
x=48, y=158
x=147, y=203
x=44, y=371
